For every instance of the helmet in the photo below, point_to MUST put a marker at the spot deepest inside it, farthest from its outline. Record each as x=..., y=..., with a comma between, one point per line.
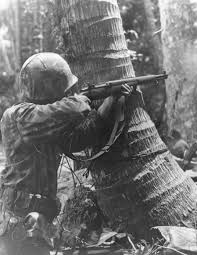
x=44, y=77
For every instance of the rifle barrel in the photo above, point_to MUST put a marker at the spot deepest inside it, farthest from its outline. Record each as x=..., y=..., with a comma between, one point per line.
x=113, y=87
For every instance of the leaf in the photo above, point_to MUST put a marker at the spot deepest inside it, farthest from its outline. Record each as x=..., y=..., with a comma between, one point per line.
x=121, y=235
x=181, y=239
x=106, y=236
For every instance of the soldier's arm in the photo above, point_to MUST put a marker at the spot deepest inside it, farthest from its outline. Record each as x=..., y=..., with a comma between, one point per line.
x=44, y=123
x=97, y=126
x=88, y=133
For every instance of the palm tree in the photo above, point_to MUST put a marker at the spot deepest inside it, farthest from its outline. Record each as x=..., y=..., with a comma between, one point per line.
x=138, y=183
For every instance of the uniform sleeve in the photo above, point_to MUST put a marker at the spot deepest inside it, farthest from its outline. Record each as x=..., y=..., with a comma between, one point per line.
x=88, y=133
x=44, y=123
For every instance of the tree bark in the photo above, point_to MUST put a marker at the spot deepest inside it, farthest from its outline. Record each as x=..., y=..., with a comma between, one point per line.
x=178, y=20
x=93, y=34
x=155, y=97
x=153, y=36
x=138, y=183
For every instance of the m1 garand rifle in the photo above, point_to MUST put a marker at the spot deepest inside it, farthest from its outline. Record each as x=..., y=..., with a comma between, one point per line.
x=95, y=92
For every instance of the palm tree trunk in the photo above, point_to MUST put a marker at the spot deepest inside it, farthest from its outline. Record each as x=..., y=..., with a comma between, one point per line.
x=138, y=183
x=152, y=36
x=178, y=20
x=97, y=50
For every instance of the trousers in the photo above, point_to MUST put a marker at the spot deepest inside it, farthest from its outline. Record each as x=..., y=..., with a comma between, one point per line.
x=26, y=226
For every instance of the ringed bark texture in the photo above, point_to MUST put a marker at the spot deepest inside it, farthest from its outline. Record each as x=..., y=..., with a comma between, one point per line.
x=97, y=50
x=138, y=183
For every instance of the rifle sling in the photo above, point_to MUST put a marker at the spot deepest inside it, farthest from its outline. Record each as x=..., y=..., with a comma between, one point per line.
x=116, y=132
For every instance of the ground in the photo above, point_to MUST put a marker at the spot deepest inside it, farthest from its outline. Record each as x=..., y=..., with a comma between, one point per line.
x=66, y=184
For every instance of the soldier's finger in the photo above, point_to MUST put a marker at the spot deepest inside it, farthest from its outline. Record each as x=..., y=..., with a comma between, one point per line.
x=82, y=97
x=127, y=86
x=126, y=91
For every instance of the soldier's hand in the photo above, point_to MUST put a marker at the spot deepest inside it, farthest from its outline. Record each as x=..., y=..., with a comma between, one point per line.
x=126, y=90
x=105, y=109
x=83, y=98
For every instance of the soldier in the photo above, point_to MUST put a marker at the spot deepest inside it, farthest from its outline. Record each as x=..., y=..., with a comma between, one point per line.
x=34, y=133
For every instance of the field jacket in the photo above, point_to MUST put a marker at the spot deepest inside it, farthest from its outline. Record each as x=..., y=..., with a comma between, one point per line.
x=34, y=137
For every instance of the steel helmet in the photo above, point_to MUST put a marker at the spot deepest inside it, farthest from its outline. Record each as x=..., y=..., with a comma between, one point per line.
x=44, y=77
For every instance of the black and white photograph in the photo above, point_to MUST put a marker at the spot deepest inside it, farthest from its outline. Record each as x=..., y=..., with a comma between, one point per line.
x=98, y=110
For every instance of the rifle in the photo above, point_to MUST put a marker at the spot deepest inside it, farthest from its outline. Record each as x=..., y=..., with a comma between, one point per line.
x=114, y=87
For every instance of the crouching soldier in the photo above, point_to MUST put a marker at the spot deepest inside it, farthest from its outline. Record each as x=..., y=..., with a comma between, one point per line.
x=34, y=133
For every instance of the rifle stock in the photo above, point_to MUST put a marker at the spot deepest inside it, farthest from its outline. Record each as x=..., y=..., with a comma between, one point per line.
x=104, y=90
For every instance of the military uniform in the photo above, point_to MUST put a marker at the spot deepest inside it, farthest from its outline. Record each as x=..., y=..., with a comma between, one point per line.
x=35, y=133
